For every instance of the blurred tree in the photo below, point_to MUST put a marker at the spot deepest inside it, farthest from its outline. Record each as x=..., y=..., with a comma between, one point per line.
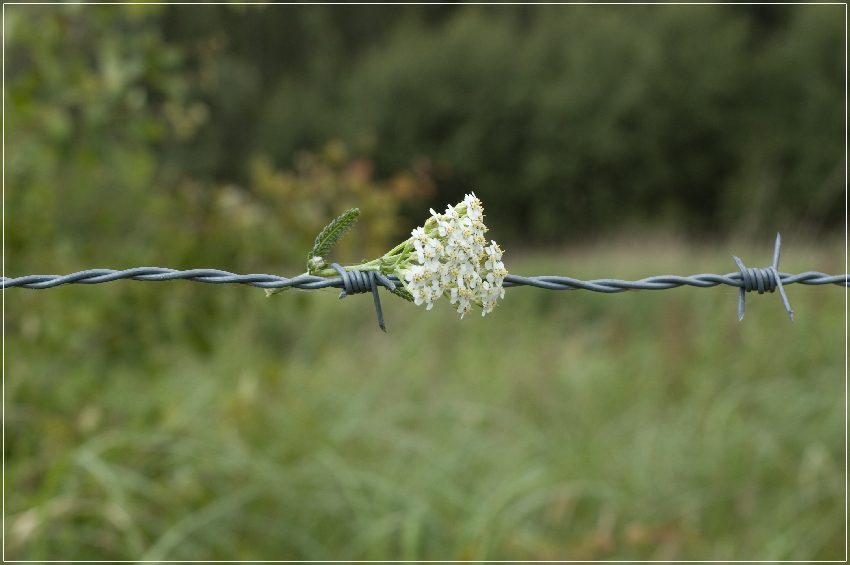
x=94, y=101
x=589, y=117
x=271, y=55
x=563, y=118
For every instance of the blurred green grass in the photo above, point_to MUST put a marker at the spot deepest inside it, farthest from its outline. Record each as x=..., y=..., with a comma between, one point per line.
x=564, y=425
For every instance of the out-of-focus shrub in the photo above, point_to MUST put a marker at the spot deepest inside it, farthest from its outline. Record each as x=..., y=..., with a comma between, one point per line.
x=274, y=220
x=795, y=126
x=95, y=98
x=573, y=118
x=101, y=112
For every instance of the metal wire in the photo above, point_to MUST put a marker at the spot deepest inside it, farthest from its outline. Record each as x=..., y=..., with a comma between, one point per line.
x=311, y=282
x=353, y=282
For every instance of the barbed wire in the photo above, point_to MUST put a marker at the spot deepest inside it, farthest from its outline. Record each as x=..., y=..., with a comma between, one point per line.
x=312, y=282
x=354, y=282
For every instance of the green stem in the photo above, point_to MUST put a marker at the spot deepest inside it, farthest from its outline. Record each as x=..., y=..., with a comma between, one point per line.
x=331, y=273
x=401, y=245
x=392, y=262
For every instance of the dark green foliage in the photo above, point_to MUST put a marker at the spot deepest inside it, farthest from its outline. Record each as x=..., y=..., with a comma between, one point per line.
x=563, y=119
x=593, y=116
x=569, y=119
x=332, y=233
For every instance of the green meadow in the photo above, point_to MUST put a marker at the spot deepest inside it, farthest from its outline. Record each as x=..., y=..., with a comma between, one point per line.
x=177, y=421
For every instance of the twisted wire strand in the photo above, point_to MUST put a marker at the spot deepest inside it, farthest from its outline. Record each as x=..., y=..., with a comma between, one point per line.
x=312, y=282
x=355, y=282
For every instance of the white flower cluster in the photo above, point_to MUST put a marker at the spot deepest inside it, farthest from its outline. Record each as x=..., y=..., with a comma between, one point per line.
x=455, y=261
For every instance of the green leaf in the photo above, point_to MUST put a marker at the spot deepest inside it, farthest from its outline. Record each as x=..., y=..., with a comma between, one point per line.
x=332, y=233
x=403, y=293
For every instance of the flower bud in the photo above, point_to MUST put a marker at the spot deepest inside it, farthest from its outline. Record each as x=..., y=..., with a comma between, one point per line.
x=317, y=263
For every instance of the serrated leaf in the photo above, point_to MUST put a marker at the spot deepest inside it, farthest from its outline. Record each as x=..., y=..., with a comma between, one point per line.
x=332, y=233
x=403, y=293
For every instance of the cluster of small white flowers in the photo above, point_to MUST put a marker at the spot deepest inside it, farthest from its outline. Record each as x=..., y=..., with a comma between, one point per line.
x=455, y=261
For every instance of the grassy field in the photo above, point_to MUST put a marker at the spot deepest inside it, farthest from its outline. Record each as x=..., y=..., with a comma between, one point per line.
x=184, y=421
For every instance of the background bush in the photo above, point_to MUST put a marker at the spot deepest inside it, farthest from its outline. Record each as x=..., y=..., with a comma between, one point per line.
x=565, y=120
x=569, y=120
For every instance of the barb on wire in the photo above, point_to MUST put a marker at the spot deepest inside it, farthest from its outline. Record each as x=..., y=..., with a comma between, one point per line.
x=762, y=279
x=355, y=282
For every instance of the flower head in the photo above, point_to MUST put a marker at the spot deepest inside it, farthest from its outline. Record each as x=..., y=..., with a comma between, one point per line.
x=453, y=260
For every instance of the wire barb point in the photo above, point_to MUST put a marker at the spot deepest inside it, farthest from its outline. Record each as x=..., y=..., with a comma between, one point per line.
x=355, y=282
x=767, y=279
